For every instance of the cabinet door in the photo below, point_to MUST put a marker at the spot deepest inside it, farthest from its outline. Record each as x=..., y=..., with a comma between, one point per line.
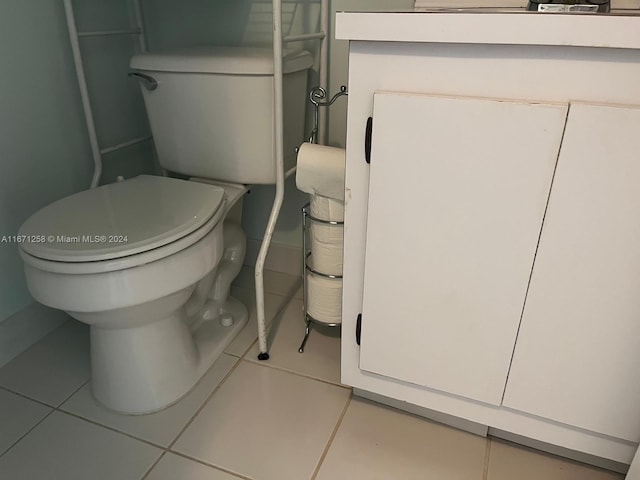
x=577, y=359
x=458, y=189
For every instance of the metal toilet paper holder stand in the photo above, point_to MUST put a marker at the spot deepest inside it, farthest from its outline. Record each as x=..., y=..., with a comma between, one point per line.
x=307, y=269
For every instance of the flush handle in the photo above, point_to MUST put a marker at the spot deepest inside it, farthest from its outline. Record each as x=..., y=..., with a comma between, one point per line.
x=148, y=81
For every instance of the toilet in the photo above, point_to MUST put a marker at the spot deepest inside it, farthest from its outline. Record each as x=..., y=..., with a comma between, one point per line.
x=148, y=262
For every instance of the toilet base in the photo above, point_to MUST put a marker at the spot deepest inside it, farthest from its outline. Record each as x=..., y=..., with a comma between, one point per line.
x=147, y=368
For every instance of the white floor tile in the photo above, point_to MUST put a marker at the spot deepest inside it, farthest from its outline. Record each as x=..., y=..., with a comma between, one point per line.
x=274, y=305
x=53, y=368
x=379, y=443
x=321, y=357
x=265, y=424
x=26, y=327
x=63, y=447
x=274, y=282
x=17, y=416
x=508, y=461
x=175, y=467
x=162, y=427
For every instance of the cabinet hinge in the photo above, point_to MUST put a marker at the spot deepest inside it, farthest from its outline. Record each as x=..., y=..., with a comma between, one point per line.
x=367, y=140
x=358, y=328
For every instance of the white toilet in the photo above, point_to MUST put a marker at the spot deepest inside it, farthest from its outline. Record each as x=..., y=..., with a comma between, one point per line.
x=148, y=262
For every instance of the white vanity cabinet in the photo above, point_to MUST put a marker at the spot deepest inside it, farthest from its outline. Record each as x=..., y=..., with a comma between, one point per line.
x=492, y=224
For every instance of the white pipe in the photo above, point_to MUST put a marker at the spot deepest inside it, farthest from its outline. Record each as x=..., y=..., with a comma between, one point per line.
x=324, y=67
x=84, y=93
x=290, y=172
x=279, y=154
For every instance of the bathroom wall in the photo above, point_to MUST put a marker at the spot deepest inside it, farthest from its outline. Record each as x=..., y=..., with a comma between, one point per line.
x=44, y=151
x=44, y=148
x=118, y=108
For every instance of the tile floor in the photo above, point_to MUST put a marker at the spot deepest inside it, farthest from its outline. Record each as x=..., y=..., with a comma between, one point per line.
x=288, y=418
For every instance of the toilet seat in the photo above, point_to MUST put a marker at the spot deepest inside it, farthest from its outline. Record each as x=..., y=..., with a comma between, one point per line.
x=147, y=216
x=120, y=219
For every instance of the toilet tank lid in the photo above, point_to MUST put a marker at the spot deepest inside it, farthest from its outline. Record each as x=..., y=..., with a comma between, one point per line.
x=222, y=60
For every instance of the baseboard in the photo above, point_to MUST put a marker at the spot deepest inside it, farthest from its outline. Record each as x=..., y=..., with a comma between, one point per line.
x=281, y=258
x=560, y=451
x=451, y=421
x=26, y=327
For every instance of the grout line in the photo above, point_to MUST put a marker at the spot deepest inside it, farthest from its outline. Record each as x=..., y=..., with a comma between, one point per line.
x=113, y=429
x=323, y=456
x=144, y=440
x=201, y=462
x=204, y=404
x=27, y=432
x=487, y=456
x=73, y=393
x=298, y=374
x=27, y=397
x=153, y=465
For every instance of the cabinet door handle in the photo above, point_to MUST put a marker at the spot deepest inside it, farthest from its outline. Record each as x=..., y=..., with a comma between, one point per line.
x=358, y=328
x=367, y=140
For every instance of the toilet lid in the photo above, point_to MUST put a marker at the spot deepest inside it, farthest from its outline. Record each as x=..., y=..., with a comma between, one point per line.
x=120, y=219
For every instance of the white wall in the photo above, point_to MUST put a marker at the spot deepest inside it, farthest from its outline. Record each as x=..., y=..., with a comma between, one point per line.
x=44, y=151
x=44, y=147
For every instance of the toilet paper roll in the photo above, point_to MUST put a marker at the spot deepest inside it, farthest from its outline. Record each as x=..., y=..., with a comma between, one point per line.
x=326, y=241
x=321, y=170
x=326, y=244
x=326, y=208
x=324, y=298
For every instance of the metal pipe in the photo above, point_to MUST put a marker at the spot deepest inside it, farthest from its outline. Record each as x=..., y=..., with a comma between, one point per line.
x=84, y=93
x=279, y=157
x=324, y=66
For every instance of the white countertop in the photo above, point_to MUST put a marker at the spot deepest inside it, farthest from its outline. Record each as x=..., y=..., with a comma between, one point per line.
x=500, y=28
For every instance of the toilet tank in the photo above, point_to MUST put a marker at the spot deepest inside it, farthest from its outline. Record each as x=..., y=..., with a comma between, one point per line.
x=212, y=115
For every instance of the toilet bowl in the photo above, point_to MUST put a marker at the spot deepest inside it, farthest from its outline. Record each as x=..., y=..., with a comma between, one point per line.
x=154, y=289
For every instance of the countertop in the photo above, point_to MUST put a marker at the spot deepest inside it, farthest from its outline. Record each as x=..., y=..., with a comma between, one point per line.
x=486, y=26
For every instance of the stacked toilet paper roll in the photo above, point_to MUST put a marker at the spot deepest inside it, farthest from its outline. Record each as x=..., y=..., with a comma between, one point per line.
x=326, y=240
x=324, y=295
x=320, y=173
x=324, y=298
